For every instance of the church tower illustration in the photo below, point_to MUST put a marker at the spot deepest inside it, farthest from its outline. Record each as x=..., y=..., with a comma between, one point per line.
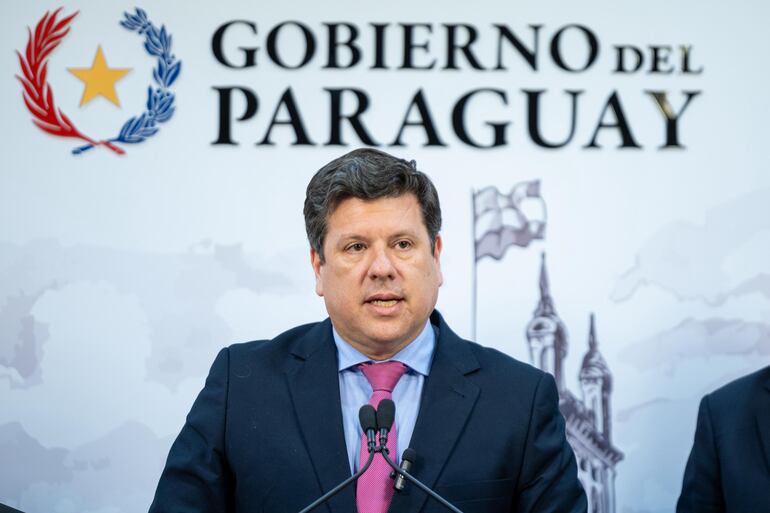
x=547, y=335
x=596, y=383
x=588, y=419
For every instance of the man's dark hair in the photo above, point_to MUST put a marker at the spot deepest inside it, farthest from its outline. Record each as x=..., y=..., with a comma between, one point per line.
x=367, y=174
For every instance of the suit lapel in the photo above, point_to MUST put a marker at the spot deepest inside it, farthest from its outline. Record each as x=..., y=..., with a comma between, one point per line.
x=447, y=400
x=314, y=386
x=763, y=417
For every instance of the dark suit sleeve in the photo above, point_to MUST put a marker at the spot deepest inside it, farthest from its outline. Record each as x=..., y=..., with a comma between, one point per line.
x=549, y=482
x=196, y=478
x=701, y=486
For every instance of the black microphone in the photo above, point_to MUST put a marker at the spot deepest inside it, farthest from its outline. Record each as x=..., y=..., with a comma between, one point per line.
x=400, y=472
x=386, y=414
x=367, y=417
x=407, y=460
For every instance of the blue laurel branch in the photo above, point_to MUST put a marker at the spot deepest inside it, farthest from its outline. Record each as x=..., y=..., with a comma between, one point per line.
x=160, y=100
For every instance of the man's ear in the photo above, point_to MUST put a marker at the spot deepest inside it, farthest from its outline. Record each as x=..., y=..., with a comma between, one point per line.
x=437, y=258
x=315, y=262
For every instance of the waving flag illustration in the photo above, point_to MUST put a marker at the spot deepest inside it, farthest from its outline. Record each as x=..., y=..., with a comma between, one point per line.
x=501, y=221
x=505, y=220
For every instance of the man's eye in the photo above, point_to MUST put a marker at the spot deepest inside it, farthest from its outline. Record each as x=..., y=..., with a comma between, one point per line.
x=356, y=247
x=404, y=244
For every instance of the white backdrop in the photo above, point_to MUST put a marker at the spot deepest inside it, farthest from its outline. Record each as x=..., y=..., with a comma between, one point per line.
x=121, y=276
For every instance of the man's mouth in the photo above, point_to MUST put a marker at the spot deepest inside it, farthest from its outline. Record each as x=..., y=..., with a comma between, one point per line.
x=384, y=302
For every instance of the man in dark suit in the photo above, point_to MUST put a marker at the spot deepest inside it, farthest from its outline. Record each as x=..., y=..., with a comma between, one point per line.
x=729, y=466
x=275, y=425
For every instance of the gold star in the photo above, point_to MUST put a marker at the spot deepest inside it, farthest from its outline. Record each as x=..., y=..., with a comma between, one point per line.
x=99, y=79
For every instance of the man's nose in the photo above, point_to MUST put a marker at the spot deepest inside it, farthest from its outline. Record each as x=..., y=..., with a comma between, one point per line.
x=381, y=266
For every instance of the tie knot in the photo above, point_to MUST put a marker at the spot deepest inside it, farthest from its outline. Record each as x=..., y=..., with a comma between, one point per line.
x=383, y=376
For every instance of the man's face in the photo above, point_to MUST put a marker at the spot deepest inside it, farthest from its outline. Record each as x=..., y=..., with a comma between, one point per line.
x=380, y=279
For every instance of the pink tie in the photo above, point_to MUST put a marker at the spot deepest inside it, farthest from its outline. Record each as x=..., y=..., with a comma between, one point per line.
x=374, y=489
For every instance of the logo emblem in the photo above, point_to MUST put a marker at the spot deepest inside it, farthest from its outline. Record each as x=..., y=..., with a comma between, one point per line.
x=99, y=80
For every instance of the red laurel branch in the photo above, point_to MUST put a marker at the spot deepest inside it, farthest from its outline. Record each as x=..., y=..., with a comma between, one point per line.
x=38, y=95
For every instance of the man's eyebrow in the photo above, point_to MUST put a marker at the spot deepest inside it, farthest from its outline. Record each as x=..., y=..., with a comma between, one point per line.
x=405, y=233
x=355, y=236
x=351, y=236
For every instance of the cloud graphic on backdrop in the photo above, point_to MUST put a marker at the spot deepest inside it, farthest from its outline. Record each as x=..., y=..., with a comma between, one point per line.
x=94, y=363
x=114, y=347
x=176, y=292
x=116, y=472
x=93, y=379
x=141, y=325
x=699, y=339
x=26, y=461
x=727, y=256
x=21, y=339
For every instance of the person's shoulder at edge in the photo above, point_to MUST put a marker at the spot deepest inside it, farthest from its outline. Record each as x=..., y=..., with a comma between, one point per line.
x=737, y=395
x=731, y=409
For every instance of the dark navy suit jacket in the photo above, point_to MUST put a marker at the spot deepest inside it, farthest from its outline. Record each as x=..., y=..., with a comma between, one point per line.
x=265, y=434
x=729, y=466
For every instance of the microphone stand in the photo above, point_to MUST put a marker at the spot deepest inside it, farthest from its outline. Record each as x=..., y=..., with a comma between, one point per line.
x=334, y=491
x=409, y=477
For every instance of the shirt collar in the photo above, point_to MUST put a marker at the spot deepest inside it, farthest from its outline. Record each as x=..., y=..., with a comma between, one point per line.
x=416, y=355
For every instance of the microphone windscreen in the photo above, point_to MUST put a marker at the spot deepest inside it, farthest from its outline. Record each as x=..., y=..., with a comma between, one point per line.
x=367, y=417
x=386, y=414
x=409, y=455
